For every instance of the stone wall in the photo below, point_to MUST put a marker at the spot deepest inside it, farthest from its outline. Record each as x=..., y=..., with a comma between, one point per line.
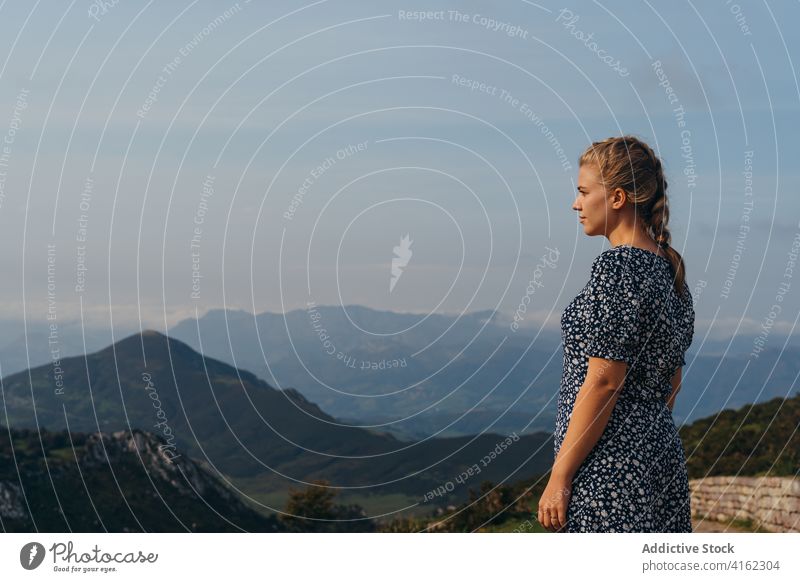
x=773, y=503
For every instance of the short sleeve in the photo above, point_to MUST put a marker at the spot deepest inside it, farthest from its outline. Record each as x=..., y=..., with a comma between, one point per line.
x=612, y=309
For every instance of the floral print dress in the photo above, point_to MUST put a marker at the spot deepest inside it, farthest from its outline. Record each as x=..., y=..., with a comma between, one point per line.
x=634, y=479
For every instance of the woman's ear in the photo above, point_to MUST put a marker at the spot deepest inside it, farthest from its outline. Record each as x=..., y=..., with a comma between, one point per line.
x=618, y=197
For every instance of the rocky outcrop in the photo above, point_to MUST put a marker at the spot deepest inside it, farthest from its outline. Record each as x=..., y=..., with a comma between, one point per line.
x=11, y=501
x=117, y=482
x=160, y=460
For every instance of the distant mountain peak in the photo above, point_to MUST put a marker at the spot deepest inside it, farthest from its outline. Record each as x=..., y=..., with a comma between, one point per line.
x=153, y=341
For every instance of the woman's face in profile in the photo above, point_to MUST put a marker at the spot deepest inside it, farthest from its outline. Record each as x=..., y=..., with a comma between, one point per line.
x=591, y=201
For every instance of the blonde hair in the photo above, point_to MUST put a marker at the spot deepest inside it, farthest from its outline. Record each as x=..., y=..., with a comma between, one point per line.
x=627, y=162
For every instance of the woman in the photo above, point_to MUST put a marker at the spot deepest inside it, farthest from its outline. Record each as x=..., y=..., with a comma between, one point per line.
x=619, y=461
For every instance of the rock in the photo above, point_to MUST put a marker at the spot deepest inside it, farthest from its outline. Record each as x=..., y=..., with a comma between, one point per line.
x=11, y=501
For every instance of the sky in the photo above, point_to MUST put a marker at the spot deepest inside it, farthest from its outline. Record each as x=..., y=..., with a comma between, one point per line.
x=161, y=159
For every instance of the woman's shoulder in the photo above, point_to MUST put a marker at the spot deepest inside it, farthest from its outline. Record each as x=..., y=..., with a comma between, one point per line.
x=634, y=262
x=611, y=260
x=611, y=268
x=605, y=257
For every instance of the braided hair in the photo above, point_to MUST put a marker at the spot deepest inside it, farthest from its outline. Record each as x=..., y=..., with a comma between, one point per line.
x=627, y=162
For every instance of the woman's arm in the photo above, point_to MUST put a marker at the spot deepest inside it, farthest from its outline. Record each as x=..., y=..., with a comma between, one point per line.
x=593, y=406
x=676, y=386
x=590, y=413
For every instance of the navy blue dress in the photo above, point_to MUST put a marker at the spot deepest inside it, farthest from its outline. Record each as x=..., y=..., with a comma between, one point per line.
x=634, y=479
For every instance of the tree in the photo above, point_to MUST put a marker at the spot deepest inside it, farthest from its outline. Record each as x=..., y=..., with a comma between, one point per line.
x=313, y=510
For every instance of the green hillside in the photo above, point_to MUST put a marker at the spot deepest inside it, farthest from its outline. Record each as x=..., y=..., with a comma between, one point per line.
x=121, y=482
x=246, y=429
x=758, y=439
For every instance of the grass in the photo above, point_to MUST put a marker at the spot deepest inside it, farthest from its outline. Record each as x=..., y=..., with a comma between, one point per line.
x=516, y=525
x=372, y=504
x=65, y=454
x=747, y=525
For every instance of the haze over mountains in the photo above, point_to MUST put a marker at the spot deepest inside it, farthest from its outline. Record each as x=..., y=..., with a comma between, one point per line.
x=416, y=376
x=421, y=374
x=460, y=374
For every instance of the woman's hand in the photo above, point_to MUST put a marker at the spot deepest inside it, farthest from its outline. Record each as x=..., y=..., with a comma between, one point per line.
x=553, y=504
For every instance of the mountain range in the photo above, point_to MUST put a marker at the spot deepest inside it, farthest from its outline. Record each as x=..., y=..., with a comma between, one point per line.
x=242, y=428
x=458, y=374
x=149, y=435
x=418, y=376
